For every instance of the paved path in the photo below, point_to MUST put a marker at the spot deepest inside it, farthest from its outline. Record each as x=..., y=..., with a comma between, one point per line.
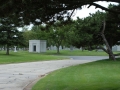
x=18, y=76
x=88, y=57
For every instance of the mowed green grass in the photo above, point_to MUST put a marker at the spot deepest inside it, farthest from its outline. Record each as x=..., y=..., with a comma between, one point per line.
x=99, y=75
x=78, y=53
x=24, y=56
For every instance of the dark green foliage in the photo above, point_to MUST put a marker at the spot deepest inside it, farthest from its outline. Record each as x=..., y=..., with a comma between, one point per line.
x=9, y=35
x=30, y=10
x=87, y=31
x=112, y=26
x=57, y=34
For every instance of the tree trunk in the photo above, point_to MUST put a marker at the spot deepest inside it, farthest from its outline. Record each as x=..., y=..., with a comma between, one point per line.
x=7, y=52
x=111, y=43
x=4, y=47
x=111, y=55
x=58, y=49
x=62, y=47
x=82, y=49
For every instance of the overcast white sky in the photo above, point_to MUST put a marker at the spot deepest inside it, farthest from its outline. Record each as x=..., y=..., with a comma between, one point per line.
x=84, y=12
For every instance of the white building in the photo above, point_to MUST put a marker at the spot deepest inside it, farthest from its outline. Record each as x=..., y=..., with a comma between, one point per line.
x=37, y=46
x=116, y=48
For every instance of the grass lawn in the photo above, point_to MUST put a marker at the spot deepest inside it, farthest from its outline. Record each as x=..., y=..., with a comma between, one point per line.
x=77, y=53
x=99, y=75
x=25, y=56
x=18, y=57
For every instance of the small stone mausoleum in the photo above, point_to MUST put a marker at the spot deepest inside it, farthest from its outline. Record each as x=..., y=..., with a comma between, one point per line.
x=37, y=46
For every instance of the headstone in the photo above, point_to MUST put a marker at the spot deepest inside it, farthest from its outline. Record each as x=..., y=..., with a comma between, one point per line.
x=15, y=48
x=71, y=48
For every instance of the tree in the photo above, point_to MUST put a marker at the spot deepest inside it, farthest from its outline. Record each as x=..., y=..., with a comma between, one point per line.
x=28, y=35
x=56, y=35
x=89, y=33
x=9, y=34
x=35, y=33
x=111, y=27
x=45, y=10
x=70, y=35
x=38, y=33
x=109, y=50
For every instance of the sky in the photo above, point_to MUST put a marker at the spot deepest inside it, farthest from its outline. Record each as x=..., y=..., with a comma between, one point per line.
x=84, y=12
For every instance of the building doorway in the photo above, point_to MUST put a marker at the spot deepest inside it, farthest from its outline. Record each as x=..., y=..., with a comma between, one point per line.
x=34, y=48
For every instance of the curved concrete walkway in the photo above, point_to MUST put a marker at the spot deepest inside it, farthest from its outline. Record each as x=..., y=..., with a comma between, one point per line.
x=18, y=76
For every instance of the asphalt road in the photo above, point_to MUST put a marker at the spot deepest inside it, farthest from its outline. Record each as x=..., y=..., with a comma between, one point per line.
x=20, y=76
x=88, y=57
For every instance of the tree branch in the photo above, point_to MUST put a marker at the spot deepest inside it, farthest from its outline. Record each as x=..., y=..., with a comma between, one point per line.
x=103, y=8
x=72, y=13
x=104, y=24
x=100, y=47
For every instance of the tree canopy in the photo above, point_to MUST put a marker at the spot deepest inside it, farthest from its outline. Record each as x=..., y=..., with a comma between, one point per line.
x=28, y=11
